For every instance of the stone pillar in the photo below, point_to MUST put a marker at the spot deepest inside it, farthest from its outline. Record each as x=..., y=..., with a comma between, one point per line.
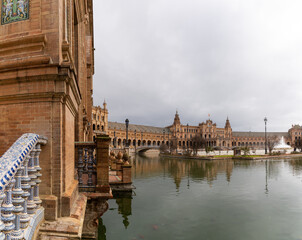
x=126, y=170
x=119, y=165
x=102, y=155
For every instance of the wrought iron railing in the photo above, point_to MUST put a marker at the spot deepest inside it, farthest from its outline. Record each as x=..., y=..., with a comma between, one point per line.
x=20, y=173
x=86, y=165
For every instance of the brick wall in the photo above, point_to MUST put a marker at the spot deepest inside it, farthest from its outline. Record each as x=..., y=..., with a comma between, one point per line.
x=41, y=91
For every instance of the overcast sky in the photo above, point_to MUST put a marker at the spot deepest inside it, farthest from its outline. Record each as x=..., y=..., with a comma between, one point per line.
x=235, y=58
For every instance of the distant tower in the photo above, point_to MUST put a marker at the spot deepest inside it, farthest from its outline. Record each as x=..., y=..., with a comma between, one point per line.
x=105, y=104
x=176, y=119
x=227, y=123
x=228, y=131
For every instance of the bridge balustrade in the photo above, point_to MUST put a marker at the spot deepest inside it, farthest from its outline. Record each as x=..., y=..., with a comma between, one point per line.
x=86, y=165
x=20, y=173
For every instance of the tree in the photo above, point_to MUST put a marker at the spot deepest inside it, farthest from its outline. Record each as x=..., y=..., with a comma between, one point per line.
x=163, y=148
x=198, y=143
x=298, y=144
x=271, y=143
x=246, y=150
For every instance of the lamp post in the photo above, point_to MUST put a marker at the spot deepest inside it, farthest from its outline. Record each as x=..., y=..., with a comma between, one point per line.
x=135, y=140
x=164, y=132
x=265, y=121
x=114, y=139
x=187, y=136
x=127, y=125
x=169, y=142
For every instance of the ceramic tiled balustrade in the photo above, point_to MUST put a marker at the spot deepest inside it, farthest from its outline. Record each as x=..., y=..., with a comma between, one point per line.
x=21, y=209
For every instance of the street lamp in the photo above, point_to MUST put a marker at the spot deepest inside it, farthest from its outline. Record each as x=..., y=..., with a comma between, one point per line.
x=169, y=142
x=265, y=121
x=114, y=139
x=127, y=125
x=187, y=136
x=135, y=140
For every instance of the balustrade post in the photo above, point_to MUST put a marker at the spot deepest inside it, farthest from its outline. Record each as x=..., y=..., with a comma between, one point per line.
x=17, y=202
x=24, y=218
x=90, y=166
x=31, y=206
x=7, y=211
x=37, y=199
x=2, y=226
x=85, y=159
x=80, y=166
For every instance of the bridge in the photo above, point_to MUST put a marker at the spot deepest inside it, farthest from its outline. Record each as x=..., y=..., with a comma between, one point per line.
x=142, y=149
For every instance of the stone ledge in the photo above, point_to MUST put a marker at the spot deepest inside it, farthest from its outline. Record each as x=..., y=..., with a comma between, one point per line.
x=66, y=227
x=23, y=45
x=21, y=63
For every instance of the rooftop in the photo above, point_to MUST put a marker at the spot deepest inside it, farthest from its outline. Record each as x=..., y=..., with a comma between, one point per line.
x=138, y=128
x=259, y=134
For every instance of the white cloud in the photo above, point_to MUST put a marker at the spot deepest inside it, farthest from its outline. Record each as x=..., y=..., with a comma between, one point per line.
x=237, y=58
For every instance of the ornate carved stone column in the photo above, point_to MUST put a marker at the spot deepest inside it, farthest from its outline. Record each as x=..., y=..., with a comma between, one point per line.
x=2, y=226
x=24, y=217
x=37, y=199
x=18, y=202
x=7, y=210
x=31, y=206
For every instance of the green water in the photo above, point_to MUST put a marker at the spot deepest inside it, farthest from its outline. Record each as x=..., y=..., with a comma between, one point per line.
x=223, y=199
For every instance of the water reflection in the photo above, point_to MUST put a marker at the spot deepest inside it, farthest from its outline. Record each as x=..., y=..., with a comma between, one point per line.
x=198, y=171
x=124, y=207
x=296, y=166
x=193, y=170
x=101, y=230
x=208, y=193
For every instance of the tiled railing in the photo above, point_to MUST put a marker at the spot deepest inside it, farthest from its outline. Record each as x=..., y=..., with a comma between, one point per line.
x=21, y=209
x=86, y=165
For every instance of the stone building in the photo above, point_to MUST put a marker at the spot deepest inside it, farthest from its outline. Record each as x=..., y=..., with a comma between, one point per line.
x=100, y=120
x=46, y=69
x=138, y=135
x=295, y=135
x=181, y=136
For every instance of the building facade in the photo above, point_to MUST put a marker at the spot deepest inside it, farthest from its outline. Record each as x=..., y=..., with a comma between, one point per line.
x=100, y=120
x=46, y=69
x=181, y=137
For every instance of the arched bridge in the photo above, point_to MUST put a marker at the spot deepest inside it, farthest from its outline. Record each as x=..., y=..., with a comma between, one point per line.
x=146, y=148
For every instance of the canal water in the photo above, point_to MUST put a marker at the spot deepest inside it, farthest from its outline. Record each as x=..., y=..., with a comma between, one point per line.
x=209, y=200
